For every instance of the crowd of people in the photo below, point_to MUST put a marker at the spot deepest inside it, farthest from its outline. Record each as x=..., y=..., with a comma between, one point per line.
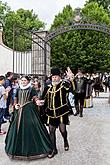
x=32, y=109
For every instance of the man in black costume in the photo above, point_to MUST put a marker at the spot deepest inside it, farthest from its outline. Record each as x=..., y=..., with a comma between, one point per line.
x=56, y=106
x=80, y=92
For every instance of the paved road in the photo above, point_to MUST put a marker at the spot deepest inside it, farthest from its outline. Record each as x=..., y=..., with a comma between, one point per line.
x=89, y=139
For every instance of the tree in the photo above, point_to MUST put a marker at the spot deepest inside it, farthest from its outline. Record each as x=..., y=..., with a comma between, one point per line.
x=64, y=17
x=23, y=22
x=4, y=8
x=104, y=3
x=89, y=50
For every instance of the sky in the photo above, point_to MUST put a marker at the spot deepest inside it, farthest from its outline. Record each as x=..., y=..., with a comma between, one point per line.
x=45, y=9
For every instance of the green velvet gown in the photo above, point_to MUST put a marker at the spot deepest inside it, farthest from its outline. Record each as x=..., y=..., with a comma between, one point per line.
x=27, y=137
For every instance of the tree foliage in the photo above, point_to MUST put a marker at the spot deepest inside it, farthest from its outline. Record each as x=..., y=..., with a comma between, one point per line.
x=4, y=8
x=19, y=20
x=87, y=49
x=104, y=3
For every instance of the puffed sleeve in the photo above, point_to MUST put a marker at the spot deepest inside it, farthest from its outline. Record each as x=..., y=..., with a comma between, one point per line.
x=33, y=92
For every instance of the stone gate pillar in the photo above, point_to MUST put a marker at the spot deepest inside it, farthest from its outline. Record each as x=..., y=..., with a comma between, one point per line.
x=40, y=54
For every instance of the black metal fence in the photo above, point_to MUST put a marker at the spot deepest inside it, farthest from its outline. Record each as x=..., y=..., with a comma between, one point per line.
x=31, y=53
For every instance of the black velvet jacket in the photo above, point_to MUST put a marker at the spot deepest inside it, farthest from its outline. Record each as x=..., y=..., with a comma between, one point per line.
x=56, y=101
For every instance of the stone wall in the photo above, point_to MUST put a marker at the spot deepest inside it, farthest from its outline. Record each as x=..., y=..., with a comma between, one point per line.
x=6, y=58
x=33, y=62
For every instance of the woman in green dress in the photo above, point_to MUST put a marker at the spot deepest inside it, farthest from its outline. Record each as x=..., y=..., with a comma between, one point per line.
x=27, y=137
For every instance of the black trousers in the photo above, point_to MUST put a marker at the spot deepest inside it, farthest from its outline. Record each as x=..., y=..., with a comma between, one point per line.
x=79, y=99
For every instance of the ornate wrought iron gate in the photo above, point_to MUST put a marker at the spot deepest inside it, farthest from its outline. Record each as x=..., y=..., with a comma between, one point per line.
x=78, y=26
x=32, y=56
x=31, y=53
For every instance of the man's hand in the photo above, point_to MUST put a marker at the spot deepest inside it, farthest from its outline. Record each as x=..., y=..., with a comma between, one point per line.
x=69, y=73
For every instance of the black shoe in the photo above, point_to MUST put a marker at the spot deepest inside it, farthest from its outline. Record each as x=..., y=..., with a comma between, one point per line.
x=66, y=146
x=71, y=113
x=75, y=114
x=81, y=115
x=53, y=153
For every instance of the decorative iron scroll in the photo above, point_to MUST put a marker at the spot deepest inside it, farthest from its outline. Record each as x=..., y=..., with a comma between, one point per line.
x=78, y=26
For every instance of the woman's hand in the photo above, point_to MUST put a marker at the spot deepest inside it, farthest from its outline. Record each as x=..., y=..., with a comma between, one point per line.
x=17, y=106
x=40, y=102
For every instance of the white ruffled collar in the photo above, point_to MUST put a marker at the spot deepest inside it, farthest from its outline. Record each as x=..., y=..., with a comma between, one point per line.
x=25, y=87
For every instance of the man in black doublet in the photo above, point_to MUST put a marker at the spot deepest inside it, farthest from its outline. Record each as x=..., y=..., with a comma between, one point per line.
x=80, y=92
x=56, y=107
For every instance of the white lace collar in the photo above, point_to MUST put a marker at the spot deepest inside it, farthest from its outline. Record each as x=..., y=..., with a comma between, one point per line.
x=25, y=87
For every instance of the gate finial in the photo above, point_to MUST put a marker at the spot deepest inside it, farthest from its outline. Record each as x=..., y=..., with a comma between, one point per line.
x=77, y=17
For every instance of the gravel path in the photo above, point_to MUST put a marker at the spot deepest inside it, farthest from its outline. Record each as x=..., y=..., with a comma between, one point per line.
x=89, y=139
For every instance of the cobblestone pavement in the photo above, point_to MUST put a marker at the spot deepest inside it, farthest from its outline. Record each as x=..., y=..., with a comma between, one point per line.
x=89, y=139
